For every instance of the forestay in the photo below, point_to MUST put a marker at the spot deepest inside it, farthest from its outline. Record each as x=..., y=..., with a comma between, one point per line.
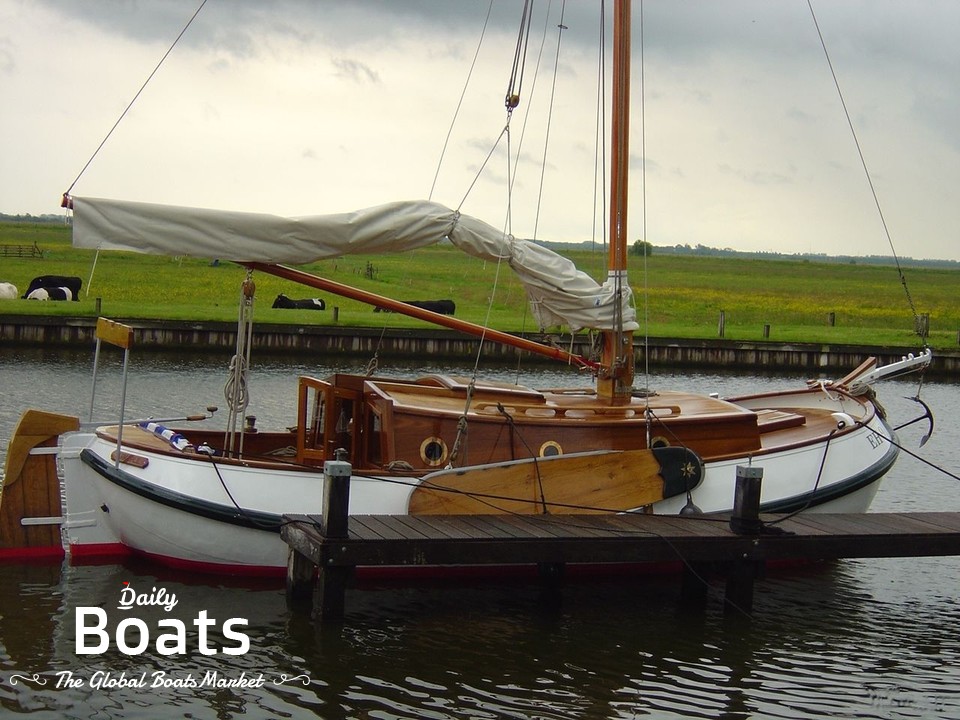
x=559, y=293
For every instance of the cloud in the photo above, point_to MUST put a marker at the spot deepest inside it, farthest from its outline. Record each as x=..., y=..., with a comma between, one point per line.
x=7, y=62
x=345, y=103
x=355, y=70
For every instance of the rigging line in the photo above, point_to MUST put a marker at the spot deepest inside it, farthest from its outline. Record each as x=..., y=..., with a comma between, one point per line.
x=483, y=165
x=515, y=432
x=511, y=103
x=456, y=112
x=508, y=223
x=512, y=99
x=653, y=419
x=236, y=390
x=519, y=57
x=374, y=362
x=644, y=248
x=599, y=138
x=130, y=105
x=546, y=140
x=246, y=515
x=915, y=456
x=816, y=484
x=496, y=275
x=863, y=162
x=533, y=90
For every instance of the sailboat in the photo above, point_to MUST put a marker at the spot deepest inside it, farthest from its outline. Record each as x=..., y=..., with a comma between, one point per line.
x=212, y=501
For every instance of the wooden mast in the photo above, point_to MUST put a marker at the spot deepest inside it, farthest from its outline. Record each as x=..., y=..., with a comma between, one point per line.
x=616, y=379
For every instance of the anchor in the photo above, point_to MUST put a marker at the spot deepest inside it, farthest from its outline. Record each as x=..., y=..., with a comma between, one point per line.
x=927, y=415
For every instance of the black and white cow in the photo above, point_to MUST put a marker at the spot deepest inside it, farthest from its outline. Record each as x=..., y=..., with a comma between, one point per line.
x=283, y=301
x=51, y=293
x=54, y=287
x=442, y=307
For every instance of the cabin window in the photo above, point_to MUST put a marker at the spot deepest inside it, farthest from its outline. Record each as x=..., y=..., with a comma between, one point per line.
x=550, y=448
x=433, y=451
x=344, y=427
x=315, y=427
x=314, y=423
x=374, y=438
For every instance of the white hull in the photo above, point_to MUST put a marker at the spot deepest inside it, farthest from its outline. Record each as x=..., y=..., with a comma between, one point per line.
x=177, y=509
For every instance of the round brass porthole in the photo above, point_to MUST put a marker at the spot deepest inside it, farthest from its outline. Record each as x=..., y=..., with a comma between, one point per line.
x=433, y=451
x=659, y=441
x=551, y=448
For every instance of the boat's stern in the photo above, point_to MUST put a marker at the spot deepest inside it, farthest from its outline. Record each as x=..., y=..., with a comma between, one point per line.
x=87, y=531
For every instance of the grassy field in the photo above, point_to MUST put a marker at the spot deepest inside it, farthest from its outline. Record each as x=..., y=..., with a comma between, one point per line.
x=683, y=298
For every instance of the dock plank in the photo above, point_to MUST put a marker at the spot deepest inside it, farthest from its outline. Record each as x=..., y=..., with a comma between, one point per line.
x=513, y=539
x=406, y=541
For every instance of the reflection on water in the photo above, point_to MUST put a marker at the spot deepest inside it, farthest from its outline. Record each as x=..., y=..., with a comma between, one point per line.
x=825, y=641
x=867, y=638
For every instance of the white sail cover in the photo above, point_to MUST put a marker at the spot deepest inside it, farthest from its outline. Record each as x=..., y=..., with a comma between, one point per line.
x=559, y=293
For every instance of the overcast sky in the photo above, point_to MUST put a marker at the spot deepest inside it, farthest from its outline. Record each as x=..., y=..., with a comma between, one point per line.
x=301, y=107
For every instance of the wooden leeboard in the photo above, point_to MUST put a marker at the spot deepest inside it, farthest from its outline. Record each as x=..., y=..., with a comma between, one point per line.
x=34, y=427
x=31, y=487
x=585, y=483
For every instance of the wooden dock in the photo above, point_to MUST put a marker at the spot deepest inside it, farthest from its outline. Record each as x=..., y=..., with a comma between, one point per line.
x=335, y=544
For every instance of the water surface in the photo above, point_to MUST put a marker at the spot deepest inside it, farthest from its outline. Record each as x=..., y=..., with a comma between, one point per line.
x=850, y=639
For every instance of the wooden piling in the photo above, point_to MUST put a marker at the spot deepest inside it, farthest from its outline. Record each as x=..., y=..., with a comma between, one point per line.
x=745, y=520
x=328, y=596
x=332, y=579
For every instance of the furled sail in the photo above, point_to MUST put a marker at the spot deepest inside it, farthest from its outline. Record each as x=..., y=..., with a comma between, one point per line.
x=559, y=293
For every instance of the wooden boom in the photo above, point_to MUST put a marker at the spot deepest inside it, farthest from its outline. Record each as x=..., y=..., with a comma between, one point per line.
x=305, y=278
